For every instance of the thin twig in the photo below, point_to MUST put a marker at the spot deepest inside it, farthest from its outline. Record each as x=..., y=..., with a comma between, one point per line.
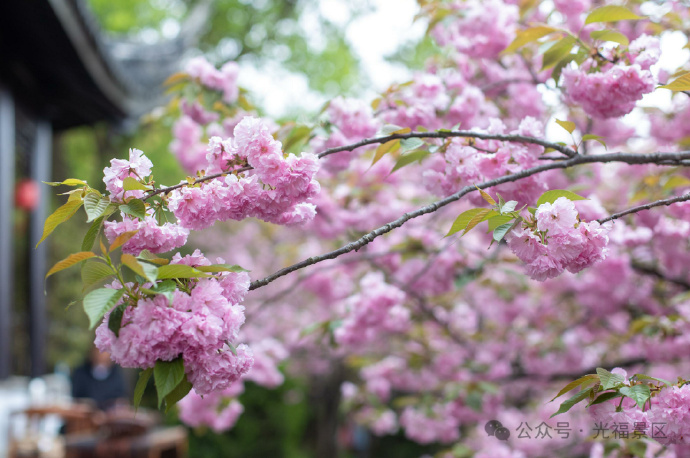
x=647, y=270
x=639, y=208
x=575, y=374
x=628, y=158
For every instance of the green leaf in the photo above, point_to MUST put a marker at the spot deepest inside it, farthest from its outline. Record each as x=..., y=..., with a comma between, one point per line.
x=166, y=288
x=567, y=405
x=605, y=397
x=501, y=201
x=99, y=301
x=121, y=240
x=95, y=206
x=298, y=136
x=179, y=271
x=463, y=220
x=139, y=389
x=558, y=68
x=558, y=51
x=132, y=184
x=551, y=196
x=221, y=268
x=509, y=206
x=639, y=393
x=483, y=215
x=527, y=36
x=144, y=269
x=681, y=83
x=384, y=149
x=93, y=272
x=69, y=261
x=496, y=221
x=180, y=391
x=393, y=129
x=167, y=374
x=596, y=138
x=115, y=319
x=408, y=159
x=232, y=348
x=146, y=255
x=611, y=13
x=676, y=181
x=58, y=217
x=410, y=144
x=486, y=196
x=501, y=231
x=91, y=234
x=589, y=378
x=67, y=182
x=608, y=379
x=656, y=379
x=567, y=125
x=610, y=35
x=134, y=207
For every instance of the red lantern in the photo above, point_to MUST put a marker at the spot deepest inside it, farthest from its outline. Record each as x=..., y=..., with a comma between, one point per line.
x=26, y=194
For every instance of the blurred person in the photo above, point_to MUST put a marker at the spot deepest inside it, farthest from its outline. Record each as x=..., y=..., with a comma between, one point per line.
x=100, y=380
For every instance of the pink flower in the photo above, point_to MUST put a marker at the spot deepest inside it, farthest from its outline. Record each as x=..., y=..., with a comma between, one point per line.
x=484, y=29
x=543, y=268
x=557, y=218
x=525, y=244
x=150, y=236
x=219, y=410
x=211, y=370
x=610, y=92
x=138, y=167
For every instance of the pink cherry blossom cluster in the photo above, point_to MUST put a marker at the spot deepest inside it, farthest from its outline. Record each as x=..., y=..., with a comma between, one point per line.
x=435, y=101
x=150, y=235
x=437, y=424
x=198, y=325
x=558, y=242
x=669, y=413
x=276, y=192
x=224, y=80
x=187, y=145
x=352, y=120
x=378, y=308
x=612, y=89
x=138, y=167
x=466, y=164
x=219, y=410
x=484, y=29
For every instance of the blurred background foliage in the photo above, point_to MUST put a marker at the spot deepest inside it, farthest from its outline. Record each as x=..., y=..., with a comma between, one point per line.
x=248, y=30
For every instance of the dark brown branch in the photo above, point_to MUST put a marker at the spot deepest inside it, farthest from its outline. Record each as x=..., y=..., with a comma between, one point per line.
x=648, y=270
x=575, y=374
x=658, y=203
x=653, y=158
x=371, y=141
x=452, y=134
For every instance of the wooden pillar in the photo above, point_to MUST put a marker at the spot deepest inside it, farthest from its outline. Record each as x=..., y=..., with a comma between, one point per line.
x=40, y=171
x=7, y=165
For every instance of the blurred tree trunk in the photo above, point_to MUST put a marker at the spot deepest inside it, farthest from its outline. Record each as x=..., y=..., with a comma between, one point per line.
x=325, y=397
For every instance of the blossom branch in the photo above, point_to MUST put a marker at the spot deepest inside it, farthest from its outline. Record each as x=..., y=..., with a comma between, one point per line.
x=451, y=134
x=376, y=140
x=658, y=203
x=628, y=158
